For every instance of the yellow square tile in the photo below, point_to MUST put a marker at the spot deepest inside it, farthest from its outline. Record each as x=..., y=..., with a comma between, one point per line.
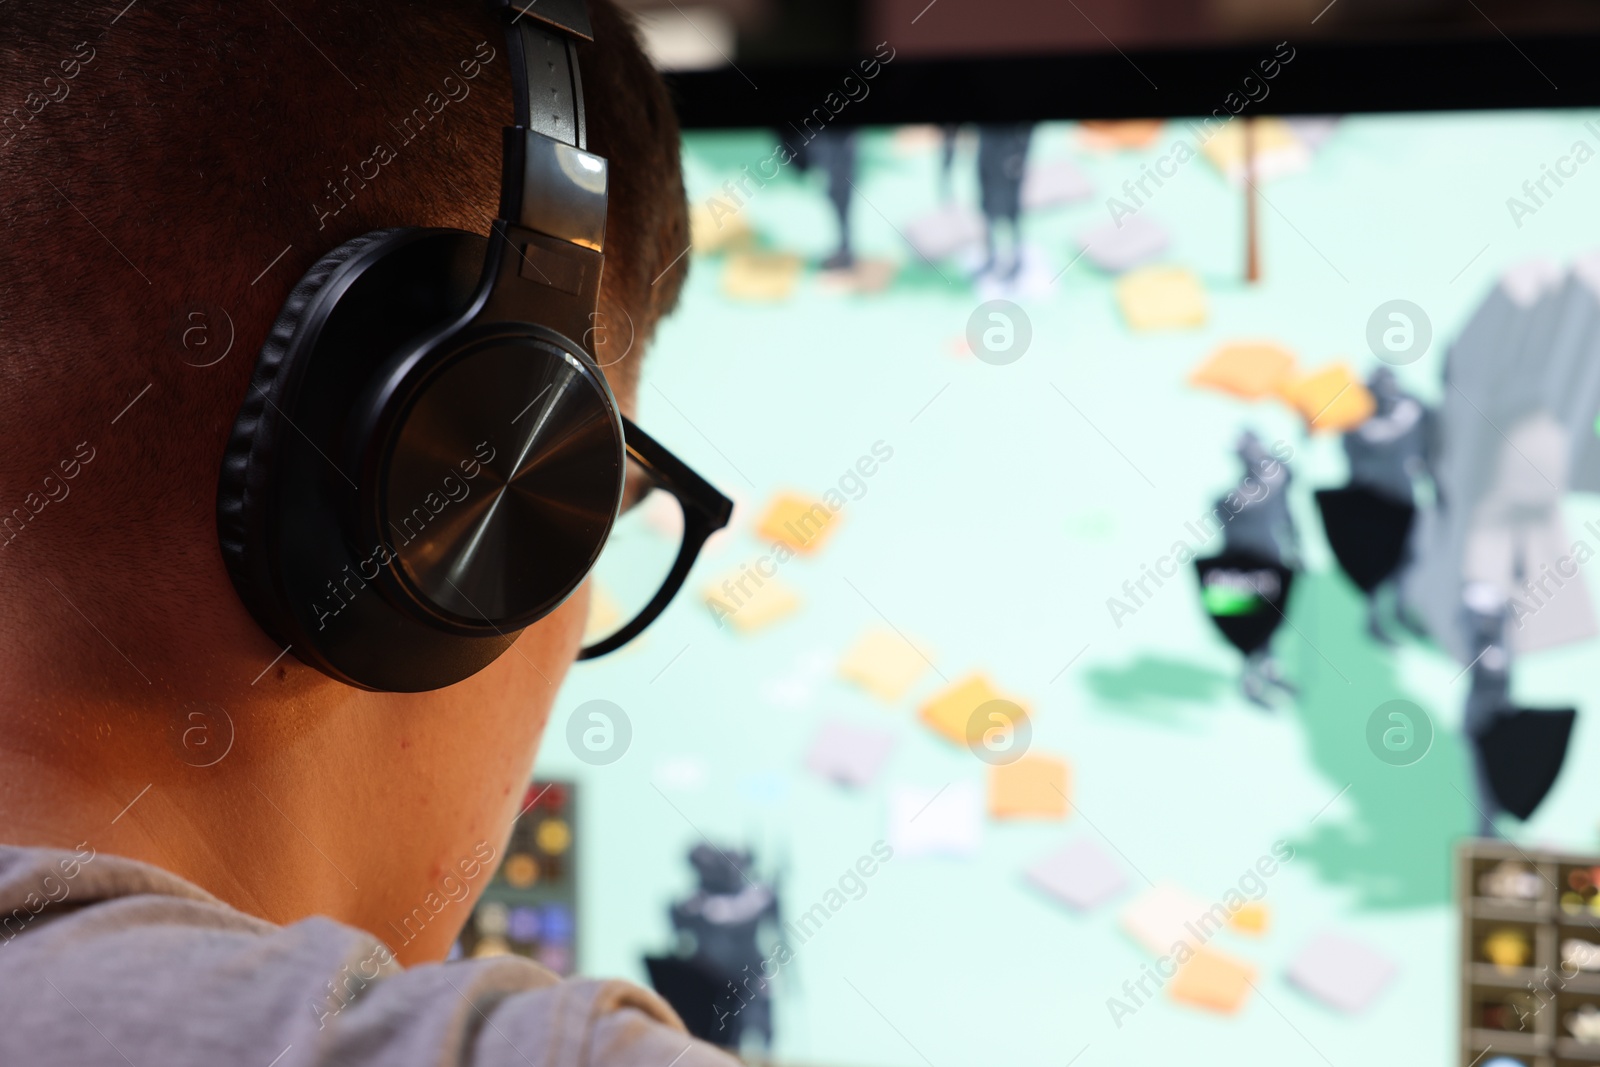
x=760, y=275
x=718, y=228
x=884, y=664
x=1033, y=787
x=949, y=710
x=1251, y=919
x=1213, y=980
x=757, y=603
x=801, y=522
x=864, y=276
x=1161, y=298
x=1331, y=400
x=1277, y=149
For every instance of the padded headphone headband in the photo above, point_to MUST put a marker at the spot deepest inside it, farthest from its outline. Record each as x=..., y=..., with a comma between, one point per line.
x=550, y=183
x=546, y=88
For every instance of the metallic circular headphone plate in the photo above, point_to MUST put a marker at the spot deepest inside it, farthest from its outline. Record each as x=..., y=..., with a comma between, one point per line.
x=501, y=477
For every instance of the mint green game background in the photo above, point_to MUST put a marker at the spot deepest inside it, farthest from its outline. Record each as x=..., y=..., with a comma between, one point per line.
x=993, y=537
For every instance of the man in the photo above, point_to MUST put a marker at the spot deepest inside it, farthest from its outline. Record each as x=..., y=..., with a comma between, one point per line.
x=204, y=839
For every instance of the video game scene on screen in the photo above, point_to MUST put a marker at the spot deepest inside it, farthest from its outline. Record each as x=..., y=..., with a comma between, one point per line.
x=1158, y=618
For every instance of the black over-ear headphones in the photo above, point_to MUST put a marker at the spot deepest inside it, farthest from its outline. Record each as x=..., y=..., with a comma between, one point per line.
x=428, y=460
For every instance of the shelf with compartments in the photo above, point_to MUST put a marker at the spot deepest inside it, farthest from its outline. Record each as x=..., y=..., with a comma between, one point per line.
x=1529, y=955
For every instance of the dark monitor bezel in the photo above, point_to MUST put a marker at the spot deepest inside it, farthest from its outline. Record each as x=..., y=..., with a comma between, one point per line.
x=1323, y=78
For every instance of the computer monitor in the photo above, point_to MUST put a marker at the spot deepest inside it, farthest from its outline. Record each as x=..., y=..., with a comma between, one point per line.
x=1151, y=539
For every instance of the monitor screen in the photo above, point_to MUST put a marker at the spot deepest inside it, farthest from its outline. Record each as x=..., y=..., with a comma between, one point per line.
x=1156, y=597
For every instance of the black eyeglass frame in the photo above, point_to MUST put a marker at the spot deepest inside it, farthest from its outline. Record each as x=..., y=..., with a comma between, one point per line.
x=705, y=511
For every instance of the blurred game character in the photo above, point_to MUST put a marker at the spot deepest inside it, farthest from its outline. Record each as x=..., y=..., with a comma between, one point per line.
x=1388, y=452
x=1263, y=523
x=1484, y=612
x=1002, y=163
x=1517, y=752
x=947, y=159
x=833, y=151
x=1369, y=522
x=719, y=926
x=1245, y=589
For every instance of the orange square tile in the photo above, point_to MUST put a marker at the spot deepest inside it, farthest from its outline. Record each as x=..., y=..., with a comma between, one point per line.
x=1033, y=787
x=950, y=709
x=1331, y=400
x=1108, y=135
x=1213, y=980
x=1249, y=370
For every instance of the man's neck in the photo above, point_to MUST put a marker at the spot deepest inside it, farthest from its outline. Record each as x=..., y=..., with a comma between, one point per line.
x=250, y=804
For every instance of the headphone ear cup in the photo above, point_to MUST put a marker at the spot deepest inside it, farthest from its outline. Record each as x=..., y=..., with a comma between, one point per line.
x=253, y=443
x=302, y=481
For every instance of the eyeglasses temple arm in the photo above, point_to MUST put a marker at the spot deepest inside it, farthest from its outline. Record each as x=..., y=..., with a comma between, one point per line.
x=674, y=474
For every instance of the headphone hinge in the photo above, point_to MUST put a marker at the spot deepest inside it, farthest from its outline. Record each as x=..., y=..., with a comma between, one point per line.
x=542, y=280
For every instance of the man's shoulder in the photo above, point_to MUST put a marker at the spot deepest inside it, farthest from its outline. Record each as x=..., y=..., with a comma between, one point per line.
x=105, y=959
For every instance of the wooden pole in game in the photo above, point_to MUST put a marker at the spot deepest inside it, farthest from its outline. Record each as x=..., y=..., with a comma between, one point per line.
x=1252, y=259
